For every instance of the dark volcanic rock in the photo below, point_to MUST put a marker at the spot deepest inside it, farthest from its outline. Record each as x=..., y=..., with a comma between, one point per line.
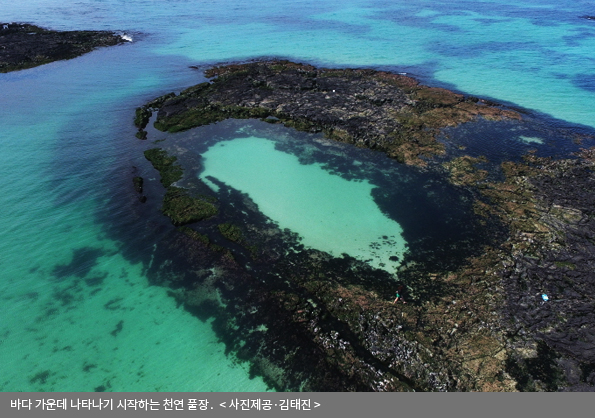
x=308, y=321
x=24, y=46
x=372, y=109
x=550, y=208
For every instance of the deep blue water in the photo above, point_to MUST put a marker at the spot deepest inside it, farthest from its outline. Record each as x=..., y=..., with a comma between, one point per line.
x=67, y=142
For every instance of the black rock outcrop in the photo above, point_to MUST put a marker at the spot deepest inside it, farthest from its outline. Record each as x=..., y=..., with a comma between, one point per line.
x=308, y=321
x=24, y=45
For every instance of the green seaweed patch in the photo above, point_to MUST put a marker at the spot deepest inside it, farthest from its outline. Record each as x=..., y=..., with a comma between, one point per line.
x=194, y=90
x=196, y=236
x=192, y=118
x=305, y=125
x=183, y=209
x=231, y=232
x=141, y=117
x=158, y=102
x=205, y=114
x=138, y=181
x=234, y=233
x=165, y=164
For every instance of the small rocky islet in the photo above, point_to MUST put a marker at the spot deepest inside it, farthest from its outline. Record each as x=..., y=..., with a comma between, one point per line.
x=23, y=45
x=305, y=320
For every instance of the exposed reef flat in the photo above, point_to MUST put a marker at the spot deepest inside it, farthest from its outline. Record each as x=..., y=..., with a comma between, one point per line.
x=548, y=207
x=374, y=109
x=306, y=320
x=24, y=45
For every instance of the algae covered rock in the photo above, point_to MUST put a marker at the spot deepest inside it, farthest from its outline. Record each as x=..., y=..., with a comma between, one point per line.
x=183, y=209
x=141, y=117
x=178, y=203
x=166, y=165
x=231, y=232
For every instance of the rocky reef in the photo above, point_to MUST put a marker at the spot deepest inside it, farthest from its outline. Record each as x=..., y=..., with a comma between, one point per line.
x=306, y=320
x=374, y=109
x=23, y=45
x=549, y=207
x=178, y=204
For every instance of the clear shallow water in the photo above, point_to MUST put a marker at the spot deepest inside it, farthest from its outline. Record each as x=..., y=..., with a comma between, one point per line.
x=67, y=141
x=330, y=213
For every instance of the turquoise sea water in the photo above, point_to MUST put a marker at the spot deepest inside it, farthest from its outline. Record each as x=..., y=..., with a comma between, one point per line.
x=76, y=310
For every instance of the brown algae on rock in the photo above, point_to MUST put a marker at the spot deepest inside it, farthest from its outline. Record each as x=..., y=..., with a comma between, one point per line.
x=372, y=109
x=479, y=326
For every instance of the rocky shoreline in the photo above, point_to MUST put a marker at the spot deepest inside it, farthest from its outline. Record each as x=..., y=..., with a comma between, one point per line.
x=23, y=45
x=308, y=321
x=388, y=112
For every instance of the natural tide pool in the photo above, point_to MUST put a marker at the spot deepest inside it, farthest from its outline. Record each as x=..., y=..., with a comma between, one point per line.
x=330, y=213
x=337, y=198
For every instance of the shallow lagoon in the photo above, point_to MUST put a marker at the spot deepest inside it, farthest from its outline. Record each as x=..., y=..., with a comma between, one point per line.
x=330, y=213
